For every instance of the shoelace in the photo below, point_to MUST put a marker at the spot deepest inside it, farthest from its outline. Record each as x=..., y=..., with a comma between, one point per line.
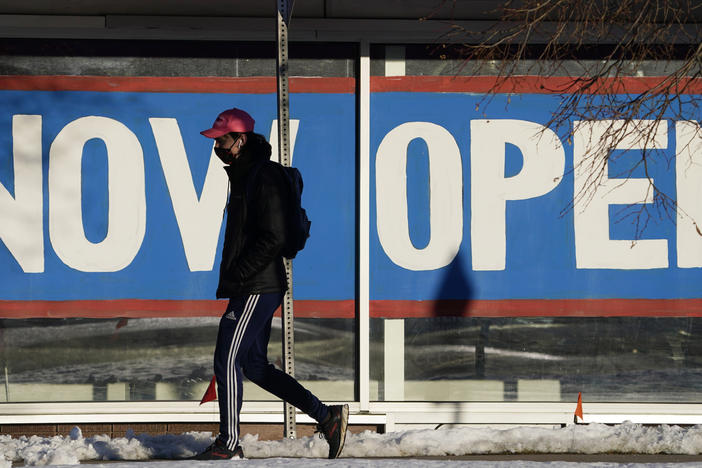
x=319, y=430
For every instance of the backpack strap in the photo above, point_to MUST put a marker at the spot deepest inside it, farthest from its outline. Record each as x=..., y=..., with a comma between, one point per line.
x=252, y=179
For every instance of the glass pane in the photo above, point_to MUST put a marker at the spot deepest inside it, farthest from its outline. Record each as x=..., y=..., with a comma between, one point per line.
x=459, y=238
x=167, y=268
x=539, y=359
x=116, y=359
x=155, y=359
x=451, y=60
x=169, y=58
x=325, y=361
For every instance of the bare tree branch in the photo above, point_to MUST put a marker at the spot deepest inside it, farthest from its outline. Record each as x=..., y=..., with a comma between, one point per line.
x=548, y=38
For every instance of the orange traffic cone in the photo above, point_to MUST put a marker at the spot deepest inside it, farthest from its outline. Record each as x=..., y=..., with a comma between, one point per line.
x=578, y=409
x=211, y=392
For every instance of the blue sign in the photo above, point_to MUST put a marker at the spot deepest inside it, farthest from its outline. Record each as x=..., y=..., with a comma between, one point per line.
x=109, y=195
x=116, y=195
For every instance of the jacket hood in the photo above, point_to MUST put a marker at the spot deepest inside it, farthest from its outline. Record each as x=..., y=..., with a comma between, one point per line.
x=258, y=147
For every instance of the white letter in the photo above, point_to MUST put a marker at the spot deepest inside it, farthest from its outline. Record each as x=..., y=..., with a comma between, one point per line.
x=445, y=197
x=594, y=191
x=273, y=139
x=126, y=195
x=200, y=220
x=688, y=169
x=542, y=170
x=21, y=227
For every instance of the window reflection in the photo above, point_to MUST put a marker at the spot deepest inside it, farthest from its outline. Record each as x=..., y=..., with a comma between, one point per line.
x=154, y=359
x=540, y=359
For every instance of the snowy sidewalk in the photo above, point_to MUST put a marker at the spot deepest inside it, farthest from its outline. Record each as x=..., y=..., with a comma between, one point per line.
x=385, y=463
x=450, y=446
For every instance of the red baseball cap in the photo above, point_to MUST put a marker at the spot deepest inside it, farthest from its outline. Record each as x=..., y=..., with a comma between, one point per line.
x=232, y=120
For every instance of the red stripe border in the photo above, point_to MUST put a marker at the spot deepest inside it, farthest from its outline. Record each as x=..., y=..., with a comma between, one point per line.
x=322, y=85
x=146, y=308
x=539, y=308
x=143, y=308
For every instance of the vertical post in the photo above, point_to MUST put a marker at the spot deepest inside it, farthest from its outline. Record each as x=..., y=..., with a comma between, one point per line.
x=284, y=12
x=364, y=229
x=394, y=336
x=7, y=386
x=394, y=360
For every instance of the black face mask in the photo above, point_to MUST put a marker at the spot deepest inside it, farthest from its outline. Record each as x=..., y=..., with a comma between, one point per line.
x=225, y=154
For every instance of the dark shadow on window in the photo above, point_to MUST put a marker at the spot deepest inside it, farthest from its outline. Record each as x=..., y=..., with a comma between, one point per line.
x=452, y=305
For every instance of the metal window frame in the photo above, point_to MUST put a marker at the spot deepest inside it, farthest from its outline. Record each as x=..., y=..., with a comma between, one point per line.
x=364, y=228
x=390, y=415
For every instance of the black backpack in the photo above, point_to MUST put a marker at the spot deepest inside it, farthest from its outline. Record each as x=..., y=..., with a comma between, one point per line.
x=297, y=225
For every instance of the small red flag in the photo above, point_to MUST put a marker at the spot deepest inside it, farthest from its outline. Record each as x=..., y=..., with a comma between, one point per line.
x=579, y=408
x=211, y=392
x=122, y=323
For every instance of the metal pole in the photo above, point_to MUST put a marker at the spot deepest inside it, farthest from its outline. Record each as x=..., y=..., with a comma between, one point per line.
x=284, y=12
x=364, y=229
x=7, y=386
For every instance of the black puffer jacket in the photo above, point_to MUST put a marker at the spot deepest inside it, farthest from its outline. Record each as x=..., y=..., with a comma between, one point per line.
x=255, y=230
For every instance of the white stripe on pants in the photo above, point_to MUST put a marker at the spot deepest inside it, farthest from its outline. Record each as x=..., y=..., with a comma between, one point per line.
x=232, y=396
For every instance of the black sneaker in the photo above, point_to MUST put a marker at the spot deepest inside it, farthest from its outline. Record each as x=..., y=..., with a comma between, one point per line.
x=334, y=428
x=219, y=451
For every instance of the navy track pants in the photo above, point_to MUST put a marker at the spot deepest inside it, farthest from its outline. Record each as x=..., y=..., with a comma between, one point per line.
x=242, y=344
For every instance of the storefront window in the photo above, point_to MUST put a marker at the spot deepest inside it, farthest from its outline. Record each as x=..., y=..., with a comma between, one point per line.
x=154, y=359
x=166, y=278
x=489, y=278
x=106, y=360
x=608, y=359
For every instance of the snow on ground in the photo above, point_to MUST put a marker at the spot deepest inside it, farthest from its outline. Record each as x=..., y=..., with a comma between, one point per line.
x=584, y=439
x=376, y=463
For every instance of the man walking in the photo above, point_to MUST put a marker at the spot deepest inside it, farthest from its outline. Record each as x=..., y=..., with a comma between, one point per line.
x=252, y=277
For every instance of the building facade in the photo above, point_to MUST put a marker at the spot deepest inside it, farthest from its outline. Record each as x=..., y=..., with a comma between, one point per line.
x=450, y=278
